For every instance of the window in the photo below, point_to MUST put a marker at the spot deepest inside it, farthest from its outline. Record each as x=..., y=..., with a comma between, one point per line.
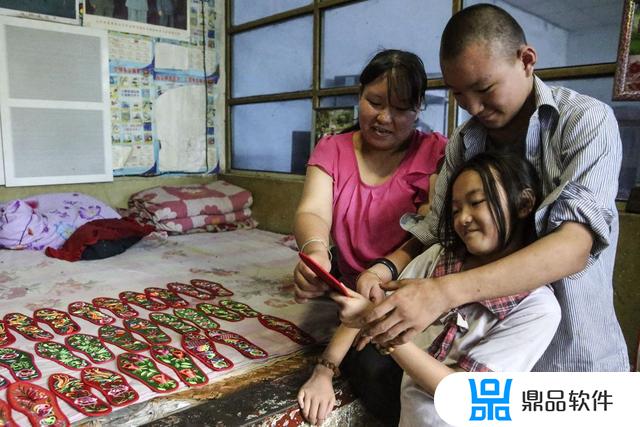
x=328, y=42
x=291, y=59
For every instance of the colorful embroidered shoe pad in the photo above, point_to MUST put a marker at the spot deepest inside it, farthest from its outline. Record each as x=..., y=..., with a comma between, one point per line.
x=26, y=327
x=57, y=320
x=215, y=288
x=239, y=307
x=142, y=300
x=90, y=346
x=199, y=319
x=77, y=395
x=146, y=371
x=4, y=383
x=90, y=313
x=37, y=403
x=189, y=290
x=219, y=312
x=150, y=332
x=117, y=307
x=286, y=328
x=169, y=298
x=61, y=354
x=203, y=349
x=238, y=342
x=112, y=385
x=181, y=363
x=19, y=363
x=172, y=322
x=122, y=338
x=6, y=337
x=5, y=415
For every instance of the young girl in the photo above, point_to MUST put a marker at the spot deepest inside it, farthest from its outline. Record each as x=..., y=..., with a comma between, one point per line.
x=490, y=206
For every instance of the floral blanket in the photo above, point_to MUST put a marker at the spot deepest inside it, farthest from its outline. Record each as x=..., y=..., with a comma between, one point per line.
x=255, y=265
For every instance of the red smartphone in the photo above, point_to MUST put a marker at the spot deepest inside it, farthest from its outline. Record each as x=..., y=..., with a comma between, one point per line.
x=324, y=275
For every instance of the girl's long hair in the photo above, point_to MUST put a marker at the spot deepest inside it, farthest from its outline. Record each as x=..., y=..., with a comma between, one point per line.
x=514, y=174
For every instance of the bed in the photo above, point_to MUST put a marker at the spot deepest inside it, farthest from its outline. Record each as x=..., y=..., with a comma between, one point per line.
x=255, y=265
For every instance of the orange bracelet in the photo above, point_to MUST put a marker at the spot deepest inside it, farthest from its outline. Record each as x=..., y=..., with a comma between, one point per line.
x=329, y=365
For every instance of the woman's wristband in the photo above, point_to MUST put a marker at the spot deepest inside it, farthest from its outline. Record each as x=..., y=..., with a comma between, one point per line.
x=390, y=265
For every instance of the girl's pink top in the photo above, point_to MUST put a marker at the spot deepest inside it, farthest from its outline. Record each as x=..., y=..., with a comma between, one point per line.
x=366, y=218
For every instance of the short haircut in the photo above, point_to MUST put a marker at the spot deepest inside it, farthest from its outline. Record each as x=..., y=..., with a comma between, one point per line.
x=507, y=170
x=482, y=23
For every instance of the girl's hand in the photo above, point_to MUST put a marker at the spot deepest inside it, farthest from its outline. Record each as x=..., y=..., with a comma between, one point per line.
x=369, y=285
x=307, y=284
x=317, y=397
x=352, y=308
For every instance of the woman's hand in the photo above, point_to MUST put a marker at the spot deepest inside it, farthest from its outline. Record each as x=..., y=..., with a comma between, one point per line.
x=352, y=308
x=317, y=397
x=307, y=284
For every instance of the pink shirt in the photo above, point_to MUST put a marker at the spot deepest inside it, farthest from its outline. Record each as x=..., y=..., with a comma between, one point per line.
x=366, y=218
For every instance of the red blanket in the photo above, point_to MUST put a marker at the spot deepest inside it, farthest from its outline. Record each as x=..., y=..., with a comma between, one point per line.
x=94, y=231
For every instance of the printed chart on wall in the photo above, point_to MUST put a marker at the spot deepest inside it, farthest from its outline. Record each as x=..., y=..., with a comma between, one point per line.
x=163, y=94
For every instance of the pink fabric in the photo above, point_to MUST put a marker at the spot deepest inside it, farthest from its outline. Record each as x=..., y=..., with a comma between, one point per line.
x=192, y=208
x=366, y=218
x=164, y=203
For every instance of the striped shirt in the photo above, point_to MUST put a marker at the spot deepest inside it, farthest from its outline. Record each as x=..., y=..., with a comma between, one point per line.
x=574, y=143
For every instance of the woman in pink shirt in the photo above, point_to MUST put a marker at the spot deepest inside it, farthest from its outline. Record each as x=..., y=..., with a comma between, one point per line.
x=360, y=183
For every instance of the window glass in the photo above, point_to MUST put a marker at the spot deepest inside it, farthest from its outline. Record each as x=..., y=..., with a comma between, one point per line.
x=355, y=32
x=568, y=32
x=273, y=59
x=271, y=136
x=250, y=10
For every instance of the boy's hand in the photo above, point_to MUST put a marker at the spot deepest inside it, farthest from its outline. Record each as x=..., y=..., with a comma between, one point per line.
x=352, y=308
x=317, y=397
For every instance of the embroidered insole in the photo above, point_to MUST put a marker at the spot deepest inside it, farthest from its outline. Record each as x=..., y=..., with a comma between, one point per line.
x=196, y=317
x=117, y=307
x=37, y=403
x=19, y=363
x=215, y=288
x=238, y=342
x=90, y=313
x=169, y=298
x=203, y=349
x=78, y=395
x=27, y=327
x=60, y=354
x=6, y=337
x=219, y=312
x=122, y=338
x=172, y=322
x=189, y=290
x=239, y=307
x=286, y=328
x=112, y=385
x=57, y=320
x=142, y=300
x=150, y=332
x=90, y=346
x=178, y=360
x=4, y=383
x=6, y=420
x=146, y=371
